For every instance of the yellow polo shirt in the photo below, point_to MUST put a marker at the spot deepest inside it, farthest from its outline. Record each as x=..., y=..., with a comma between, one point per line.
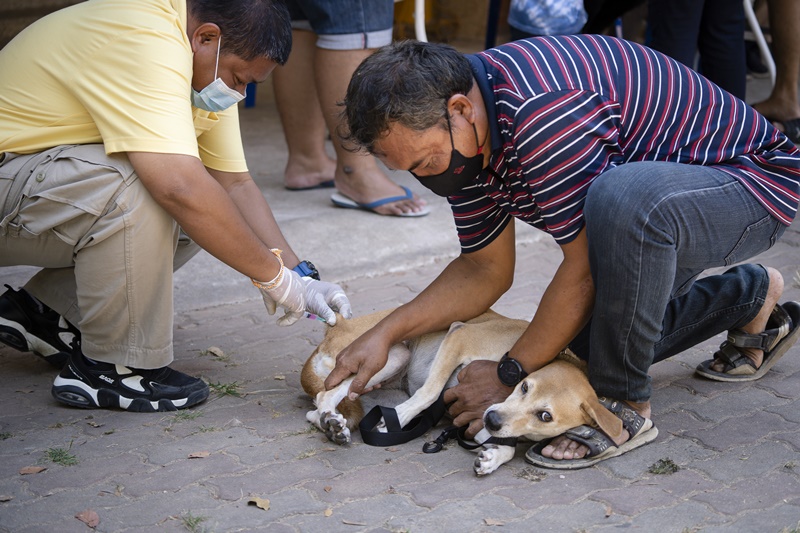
x=116, y=72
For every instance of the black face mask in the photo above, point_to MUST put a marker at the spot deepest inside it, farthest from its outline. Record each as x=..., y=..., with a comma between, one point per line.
x=459, y=174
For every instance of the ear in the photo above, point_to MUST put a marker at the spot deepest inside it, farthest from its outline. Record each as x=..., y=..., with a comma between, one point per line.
x=460, y=104
x=602, y=418
x=205, y=34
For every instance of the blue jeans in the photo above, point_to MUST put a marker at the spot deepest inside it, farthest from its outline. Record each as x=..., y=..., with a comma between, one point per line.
x=345, y=24
x=652, y=228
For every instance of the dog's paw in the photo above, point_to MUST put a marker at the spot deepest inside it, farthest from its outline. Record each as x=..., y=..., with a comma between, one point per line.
x=491, y=457
x=486, y=461
x=335, y=427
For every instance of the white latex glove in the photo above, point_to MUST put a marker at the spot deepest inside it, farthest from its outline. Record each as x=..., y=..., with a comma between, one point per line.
x=289, y=293
x=323, y=298
x=298, y=295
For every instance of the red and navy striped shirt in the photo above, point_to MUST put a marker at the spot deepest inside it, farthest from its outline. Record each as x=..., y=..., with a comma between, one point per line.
x=562, y=110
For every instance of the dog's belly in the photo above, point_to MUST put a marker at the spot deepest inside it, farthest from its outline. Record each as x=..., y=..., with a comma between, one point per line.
x=423, y=352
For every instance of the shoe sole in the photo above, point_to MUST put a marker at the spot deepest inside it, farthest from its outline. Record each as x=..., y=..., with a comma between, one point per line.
x=78, y=394
x=13, y=334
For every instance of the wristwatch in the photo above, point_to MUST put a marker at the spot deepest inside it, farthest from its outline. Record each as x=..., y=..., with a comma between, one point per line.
x=510, y=372
x=307, y=269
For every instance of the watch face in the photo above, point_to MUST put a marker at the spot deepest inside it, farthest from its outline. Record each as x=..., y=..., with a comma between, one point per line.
x=509, y=372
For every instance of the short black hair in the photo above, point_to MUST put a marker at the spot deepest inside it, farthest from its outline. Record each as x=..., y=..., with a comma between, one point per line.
x=252, y=28
x=408, y=82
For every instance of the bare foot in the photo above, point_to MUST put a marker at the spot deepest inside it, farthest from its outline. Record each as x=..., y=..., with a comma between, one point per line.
x=778, y=110
x=564, y=448
x=303, y=173
x=369, y=185
x=759, y=323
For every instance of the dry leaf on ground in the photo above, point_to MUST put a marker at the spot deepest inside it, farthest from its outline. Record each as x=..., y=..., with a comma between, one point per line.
x=199, y=455
x=217, y=352
x=31, y=470
x=88, y=517
x=261, y=503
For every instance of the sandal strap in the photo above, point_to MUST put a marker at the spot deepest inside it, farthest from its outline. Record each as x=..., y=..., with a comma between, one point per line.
x=631, y=420
x=778, y=326
x=729, y=354
x=592, y=438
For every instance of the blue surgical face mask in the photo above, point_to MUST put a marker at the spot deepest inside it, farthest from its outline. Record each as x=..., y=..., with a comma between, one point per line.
x=216, y=96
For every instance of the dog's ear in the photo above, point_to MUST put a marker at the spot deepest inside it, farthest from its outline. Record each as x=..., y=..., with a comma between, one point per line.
x=602, y=417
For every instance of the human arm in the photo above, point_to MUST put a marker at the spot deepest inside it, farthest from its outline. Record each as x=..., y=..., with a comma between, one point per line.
x=227, y=216
x=182, y=186
x=467, y=287
x=564, y=309
x=256, y=212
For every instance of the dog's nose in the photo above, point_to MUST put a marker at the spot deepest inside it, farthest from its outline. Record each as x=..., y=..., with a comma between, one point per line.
x=492, y=421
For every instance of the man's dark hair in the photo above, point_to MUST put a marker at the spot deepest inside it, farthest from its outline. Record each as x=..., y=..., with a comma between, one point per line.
x=407, y=82
x=250, y=28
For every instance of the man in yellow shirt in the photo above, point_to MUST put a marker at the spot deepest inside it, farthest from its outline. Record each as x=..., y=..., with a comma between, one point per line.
x=120, y=156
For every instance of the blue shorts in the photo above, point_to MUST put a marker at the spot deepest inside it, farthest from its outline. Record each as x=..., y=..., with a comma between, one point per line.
x=345, y=24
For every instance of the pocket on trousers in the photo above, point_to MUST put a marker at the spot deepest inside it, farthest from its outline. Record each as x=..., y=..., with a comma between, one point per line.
x=67, y=194
x=756, y=238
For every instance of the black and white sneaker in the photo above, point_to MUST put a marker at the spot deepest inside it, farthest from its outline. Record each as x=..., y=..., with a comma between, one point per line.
x=90, y=384
x=28, y=325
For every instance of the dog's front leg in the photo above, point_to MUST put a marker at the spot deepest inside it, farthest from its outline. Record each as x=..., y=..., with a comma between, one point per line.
x=491, y=457
x=333, y=423
x=327, y=418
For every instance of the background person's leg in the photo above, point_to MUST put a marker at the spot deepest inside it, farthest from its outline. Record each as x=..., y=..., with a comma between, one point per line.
x=721, y=45
x=304, y=128
x=347, y=32
x=782, y=106
x=674, y=27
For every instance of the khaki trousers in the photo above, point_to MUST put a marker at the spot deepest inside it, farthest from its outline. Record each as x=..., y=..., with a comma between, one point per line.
x=106, y=247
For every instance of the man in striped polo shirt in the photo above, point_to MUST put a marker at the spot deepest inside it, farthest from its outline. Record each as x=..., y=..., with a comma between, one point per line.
x=645, y=173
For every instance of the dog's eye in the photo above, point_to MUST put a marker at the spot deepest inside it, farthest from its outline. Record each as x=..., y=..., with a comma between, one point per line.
x=544, y=416
x=524, y=387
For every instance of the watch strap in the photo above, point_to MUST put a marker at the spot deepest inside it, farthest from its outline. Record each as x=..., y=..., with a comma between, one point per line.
x=307, y=269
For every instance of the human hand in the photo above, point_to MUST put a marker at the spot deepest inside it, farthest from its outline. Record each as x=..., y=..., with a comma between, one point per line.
x=364, y=358
x=323, y=298
x=288, y=291
x=478, y=388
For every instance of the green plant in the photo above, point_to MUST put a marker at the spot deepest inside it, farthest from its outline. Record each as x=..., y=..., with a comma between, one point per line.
x=226, y=389
x=61, y=456
x=664, y=466
x=183, y=416
x=192, y=523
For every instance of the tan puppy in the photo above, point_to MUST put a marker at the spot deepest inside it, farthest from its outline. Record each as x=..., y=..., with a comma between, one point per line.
x=544, y=405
